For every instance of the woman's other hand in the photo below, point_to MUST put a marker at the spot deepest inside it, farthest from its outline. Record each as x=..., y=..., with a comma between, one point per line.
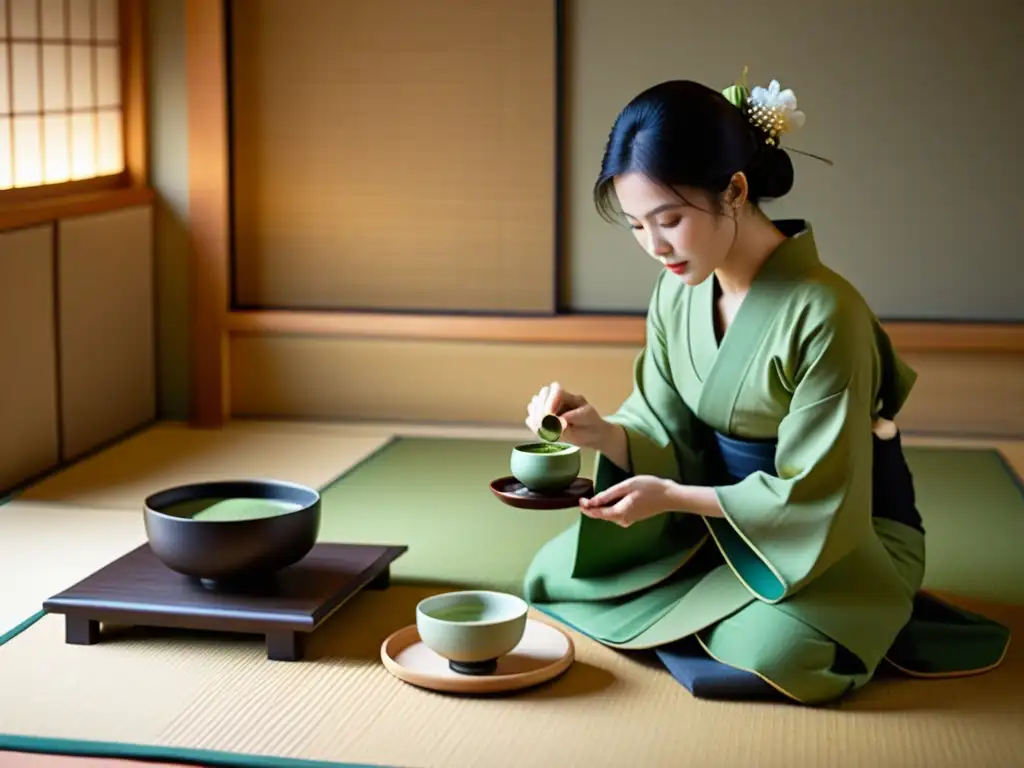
x=638, y=498
x=631, y=501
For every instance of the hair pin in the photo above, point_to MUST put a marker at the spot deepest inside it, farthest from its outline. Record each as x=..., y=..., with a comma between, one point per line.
x=773, y=110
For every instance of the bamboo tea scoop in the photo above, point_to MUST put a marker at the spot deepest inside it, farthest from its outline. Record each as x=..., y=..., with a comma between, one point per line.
x=550, y=428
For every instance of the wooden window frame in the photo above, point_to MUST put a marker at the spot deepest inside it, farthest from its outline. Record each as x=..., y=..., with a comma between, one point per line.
x=213, y=322
x=29, y=206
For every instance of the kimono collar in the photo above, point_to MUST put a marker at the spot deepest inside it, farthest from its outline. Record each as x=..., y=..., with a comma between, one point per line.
x=721, y=366
x=797, y=253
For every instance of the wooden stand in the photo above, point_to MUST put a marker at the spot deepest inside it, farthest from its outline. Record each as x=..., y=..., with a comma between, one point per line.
x=137, y=589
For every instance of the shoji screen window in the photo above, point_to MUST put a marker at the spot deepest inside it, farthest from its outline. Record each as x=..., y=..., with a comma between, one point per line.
x=60, y=91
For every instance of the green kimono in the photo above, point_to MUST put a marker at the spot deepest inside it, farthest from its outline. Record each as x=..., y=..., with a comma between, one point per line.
x=800, y=583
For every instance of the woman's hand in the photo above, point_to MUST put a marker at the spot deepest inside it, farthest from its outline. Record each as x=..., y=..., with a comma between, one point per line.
x=582, y=425
x=632, y=500
x=644, y=496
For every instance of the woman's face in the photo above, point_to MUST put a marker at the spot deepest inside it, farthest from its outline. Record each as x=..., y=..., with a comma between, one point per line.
x=691, y=242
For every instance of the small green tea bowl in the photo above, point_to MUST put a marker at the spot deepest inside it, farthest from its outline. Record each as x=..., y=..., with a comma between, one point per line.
x=471, y=629
x=545, y=467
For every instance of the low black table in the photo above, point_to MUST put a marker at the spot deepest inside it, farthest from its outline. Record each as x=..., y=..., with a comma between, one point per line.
x=137, y=589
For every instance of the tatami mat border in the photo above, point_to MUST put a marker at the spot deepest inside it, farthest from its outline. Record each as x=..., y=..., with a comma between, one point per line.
x=124, y=751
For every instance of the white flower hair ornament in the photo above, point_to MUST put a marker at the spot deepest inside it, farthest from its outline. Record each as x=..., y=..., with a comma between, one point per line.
x=772, y=109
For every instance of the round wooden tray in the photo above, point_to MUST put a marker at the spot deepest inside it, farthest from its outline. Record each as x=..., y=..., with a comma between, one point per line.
x=515, y=494
x=544, y=653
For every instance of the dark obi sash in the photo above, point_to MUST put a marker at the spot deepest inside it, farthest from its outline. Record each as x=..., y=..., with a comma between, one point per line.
x=892, y=498
x=892, y=485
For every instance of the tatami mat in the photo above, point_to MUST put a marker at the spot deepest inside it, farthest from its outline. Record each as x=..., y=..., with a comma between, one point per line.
x=220, y=694
x=312, y=453
x=168, y=454
x=202, y=692
x=1012, y=451
x=431, y=494
x=45, y=548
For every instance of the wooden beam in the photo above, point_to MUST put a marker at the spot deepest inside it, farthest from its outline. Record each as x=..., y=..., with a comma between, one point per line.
x=951, y=336
x=133, y=88
x=45, y=210
x=209, y=209
x=564, y=329
x=626, y=330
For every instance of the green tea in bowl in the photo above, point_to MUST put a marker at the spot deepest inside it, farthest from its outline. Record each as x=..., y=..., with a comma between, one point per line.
x=472, y=629
x=545, y=467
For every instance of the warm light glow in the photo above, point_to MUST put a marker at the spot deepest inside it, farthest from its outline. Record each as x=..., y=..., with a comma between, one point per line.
x=79, y=26
x=55, y=77
x=106, y=21
x=108, y=78
x=83, y=146
x=60, y=91
x=25, y=66
x=82, y=96
x=53, y=19
x=56, y=139
x=28, y=154
x=5, y=153
x=24, y=18
x=109, y=153
x=5, y=94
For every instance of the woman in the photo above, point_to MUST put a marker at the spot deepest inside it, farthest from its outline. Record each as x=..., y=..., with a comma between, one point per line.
x=753, y=519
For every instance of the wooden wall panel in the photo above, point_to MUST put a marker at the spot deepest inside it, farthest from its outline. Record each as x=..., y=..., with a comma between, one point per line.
x=466, y=381
x=453, y=381
x=108, y=382
x=29, y=422
x=967, y=393
x=394, y=154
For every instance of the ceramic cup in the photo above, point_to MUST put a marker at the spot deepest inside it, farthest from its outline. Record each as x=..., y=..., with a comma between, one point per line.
x=545, y=467
x=471, y=629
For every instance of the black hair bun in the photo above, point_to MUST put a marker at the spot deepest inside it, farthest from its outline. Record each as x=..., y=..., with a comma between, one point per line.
x=770, y=175
x=683, y=134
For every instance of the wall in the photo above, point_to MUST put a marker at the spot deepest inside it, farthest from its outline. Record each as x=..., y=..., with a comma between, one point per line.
x=379, y=162
x=920, y=209
x=868, y=226
x=29, y=422
x=394, y=154
x=168, y=168
x=325, y=378
x=78, y=345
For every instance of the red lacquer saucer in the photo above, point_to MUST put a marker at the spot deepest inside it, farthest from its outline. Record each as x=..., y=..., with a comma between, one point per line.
x=512, y=492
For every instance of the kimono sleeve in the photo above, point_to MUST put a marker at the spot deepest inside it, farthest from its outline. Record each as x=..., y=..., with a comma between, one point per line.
x=779, y=532
x=661, y=441
x=660, y=428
